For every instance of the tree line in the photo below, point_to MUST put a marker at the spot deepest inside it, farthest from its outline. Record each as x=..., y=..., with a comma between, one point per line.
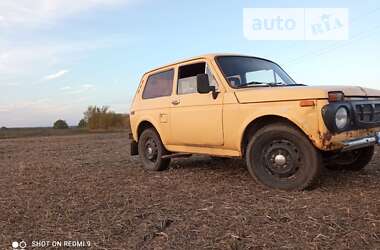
x=98, y=118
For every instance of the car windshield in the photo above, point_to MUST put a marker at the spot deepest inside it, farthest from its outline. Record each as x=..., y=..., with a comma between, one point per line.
x=242, y=72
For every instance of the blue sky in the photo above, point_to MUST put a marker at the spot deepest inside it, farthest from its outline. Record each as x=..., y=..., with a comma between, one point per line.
x=59, y=56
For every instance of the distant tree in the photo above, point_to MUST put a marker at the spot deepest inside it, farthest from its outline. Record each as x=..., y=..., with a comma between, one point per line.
x=82, y=123
x=103, y=118
x=4, y=128
x=60, y=124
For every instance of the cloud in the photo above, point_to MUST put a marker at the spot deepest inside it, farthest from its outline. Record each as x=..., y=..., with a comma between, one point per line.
x=21, y=60
x=42, y=112
x=26, y=60
x=82, y=89
x=24, y=104
x=9, y=84
x=65, y=88
x=56, y=75
x=30, y=48
x=42, y=12
x=87, y=86
x=4, y=109
x=77, y=90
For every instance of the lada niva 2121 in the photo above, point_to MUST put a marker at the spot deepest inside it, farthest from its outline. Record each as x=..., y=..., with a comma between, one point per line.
x=248, y=107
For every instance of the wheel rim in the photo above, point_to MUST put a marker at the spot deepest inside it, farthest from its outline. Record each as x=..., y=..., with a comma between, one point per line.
x=282, y=159
x=151, y=150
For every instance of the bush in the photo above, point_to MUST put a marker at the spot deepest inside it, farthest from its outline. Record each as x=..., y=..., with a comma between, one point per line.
x=82, y=123
x=4, y=128
x=103, y=118
x=60, y=124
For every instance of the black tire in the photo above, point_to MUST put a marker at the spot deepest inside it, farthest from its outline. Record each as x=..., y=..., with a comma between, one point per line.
x=353, y=160
x=151, y=151
x=282, y=157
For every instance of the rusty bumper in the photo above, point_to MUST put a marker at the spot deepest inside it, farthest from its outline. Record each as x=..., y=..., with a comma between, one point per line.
x=361, y=142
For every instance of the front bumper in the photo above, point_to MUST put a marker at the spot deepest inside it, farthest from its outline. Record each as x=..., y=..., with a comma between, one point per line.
x=362, y=142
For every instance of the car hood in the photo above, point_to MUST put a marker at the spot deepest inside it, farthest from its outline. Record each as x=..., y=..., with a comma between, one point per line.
x=267, y=94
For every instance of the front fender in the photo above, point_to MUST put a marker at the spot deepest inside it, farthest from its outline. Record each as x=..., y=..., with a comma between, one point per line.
x=305, y=118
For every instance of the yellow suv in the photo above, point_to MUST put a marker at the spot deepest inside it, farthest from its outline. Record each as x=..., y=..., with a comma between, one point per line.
x=249, y=107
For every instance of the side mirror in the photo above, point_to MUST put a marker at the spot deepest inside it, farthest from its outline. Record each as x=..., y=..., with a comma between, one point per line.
x=203, y=84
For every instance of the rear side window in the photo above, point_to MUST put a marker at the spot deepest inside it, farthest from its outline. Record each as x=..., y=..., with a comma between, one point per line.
x=159, y=85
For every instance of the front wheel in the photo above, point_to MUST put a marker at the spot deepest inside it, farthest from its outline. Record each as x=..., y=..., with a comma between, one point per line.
x=281, y=157
x=352, y=160
x=151, y=151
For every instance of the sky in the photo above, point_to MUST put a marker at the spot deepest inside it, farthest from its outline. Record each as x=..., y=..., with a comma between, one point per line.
x=59, y=56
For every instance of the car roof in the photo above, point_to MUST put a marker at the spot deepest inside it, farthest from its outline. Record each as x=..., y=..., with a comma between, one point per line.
x=204, y=56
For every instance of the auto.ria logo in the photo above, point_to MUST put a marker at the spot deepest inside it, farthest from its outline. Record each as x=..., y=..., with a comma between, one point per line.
x=296, y=23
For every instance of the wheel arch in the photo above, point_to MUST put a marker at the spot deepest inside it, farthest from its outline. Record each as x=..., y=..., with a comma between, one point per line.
x=145, y=124
x=261, y=122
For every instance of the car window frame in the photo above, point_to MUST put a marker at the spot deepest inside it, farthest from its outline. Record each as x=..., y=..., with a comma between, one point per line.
x=197, y=61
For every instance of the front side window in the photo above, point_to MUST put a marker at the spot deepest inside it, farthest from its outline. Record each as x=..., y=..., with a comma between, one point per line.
x=159, y=85
x=187, y=77
x=244, y=72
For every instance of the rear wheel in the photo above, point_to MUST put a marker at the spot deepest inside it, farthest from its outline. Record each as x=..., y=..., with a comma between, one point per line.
x=151, y=151
x=352, y=160
x=281, y=157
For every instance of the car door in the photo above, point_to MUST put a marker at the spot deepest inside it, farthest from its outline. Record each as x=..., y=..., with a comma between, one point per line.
x=196, y=119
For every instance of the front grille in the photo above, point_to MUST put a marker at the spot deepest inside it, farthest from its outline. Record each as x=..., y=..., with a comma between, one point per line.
x=368, y=112
x=377, y=112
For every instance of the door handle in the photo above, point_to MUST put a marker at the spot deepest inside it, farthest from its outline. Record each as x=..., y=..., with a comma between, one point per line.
x=176, y=102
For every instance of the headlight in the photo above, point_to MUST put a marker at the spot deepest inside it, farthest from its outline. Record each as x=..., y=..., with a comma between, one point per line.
x=342, y=118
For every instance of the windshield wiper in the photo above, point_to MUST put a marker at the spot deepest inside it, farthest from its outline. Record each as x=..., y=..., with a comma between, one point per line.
x=253, y=84
x=299, y=84
x=270, y=84
x=281, y=84
x=256, y=83
x=275, y=84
